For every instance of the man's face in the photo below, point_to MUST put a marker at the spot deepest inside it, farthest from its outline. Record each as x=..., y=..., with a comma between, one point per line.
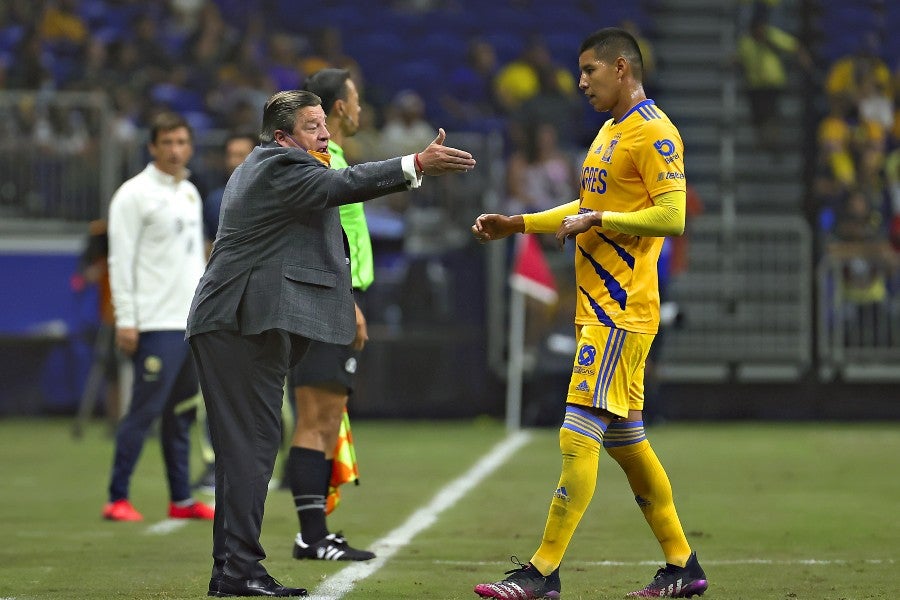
x=309, y=131
x=236, y=151
x=172, y=150
x=599, y=81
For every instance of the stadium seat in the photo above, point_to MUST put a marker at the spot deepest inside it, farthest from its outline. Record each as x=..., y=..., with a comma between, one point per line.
x=508, y=46
x=10, y=37
x=445, y=49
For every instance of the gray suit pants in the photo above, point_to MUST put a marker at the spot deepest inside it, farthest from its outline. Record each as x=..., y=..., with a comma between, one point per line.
x=242, y=379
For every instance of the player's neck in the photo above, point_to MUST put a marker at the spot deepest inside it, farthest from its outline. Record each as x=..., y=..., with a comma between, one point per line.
x=630, y=98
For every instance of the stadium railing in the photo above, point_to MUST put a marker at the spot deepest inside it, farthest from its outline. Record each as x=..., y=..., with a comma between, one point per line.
x=745, y=303
x=859, y=316
x=57, y=155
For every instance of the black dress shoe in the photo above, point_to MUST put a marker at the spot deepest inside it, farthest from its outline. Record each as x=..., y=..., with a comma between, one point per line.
x=263, y=586
x=214, y=585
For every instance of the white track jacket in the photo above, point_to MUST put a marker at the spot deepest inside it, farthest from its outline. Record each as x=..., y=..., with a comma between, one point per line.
x=156, y=251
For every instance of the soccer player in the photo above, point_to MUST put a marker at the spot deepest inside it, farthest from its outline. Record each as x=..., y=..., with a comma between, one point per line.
x=323, y=380
x=632, y=194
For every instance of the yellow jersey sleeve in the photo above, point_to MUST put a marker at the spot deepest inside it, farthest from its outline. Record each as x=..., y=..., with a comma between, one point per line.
x=665, y=217
x=548, y=221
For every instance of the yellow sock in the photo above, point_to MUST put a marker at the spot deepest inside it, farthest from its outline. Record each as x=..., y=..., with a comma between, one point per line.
x=626, y=443
x=580, y=438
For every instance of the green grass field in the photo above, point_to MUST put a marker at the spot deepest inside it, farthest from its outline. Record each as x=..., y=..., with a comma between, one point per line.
x=776, y=511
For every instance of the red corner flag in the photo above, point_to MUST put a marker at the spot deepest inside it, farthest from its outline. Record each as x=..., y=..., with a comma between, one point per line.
x=531, y=274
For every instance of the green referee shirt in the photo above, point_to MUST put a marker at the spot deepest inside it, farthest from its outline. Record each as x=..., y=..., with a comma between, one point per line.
x=353, y=219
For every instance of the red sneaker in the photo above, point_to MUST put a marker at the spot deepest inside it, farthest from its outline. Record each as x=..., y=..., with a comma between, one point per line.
x=197, y=510
x=121, y=510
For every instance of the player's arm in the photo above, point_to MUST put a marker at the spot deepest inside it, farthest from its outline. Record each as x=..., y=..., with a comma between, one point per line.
x=665, y=218
x=547, y=221
x=490, y=227
x=124, y=230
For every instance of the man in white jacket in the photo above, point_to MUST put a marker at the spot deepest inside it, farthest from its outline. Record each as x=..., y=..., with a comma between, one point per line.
x=156, y=258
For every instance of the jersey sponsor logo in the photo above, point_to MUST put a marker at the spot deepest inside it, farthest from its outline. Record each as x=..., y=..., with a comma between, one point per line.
x=641, y=501
x=593, y=180
x=583, y=386
x=586, y=355
x=583, y=370
x=664, y=146
x=350, y=365
x=666, y=149
x=669, y=175
x=561, y=493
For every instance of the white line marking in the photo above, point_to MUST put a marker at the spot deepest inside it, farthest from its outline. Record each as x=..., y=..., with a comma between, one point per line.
x=342, y=582
x=166, y=527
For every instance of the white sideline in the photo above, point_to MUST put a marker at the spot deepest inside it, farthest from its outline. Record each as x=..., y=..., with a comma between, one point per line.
x=166, y=526
x=342, y=582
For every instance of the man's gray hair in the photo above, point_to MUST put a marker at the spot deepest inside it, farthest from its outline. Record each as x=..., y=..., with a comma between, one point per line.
x=281, y=111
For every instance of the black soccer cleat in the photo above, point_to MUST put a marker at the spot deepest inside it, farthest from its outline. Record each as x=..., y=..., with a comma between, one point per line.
x=332, y=547
x=675, y=582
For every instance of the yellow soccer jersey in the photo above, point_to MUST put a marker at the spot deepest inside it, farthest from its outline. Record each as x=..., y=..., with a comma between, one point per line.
x=629, y=163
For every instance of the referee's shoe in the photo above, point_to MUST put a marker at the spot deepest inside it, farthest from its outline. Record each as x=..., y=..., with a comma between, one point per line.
x=331, y=547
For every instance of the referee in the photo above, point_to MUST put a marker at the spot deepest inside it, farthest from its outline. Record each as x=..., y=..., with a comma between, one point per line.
x=323, y=380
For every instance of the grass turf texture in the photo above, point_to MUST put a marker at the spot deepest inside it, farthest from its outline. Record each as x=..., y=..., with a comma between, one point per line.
x=761, y=503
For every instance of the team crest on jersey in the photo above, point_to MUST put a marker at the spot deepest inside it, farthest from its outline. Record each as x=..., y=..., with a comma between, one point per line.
x=350, y=365
x=607, y=156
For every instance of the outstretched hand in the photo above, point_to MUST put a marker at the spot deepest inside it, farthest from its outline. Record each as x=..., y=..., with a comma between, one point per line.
x=438, y=159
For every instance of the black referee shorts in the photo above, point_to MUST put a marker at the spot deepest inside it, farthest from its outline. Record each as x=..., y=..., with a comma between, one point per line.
x=326, y=364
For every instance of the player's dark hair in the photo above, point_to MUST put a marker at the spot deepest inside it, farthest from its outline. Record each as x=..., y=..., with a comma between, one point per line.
x=610, y=43
x=281, y=111
x=330, y=85
x=168, y=121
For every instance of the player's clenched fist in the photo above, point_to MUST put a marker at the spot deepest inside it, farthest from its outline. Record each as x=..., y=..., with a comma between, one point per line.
x=488, y=228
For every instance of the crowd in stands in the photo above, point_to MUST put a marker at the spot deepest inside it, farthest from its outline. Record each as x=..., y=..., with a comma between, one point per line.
x=858, y=166
x=217, y=61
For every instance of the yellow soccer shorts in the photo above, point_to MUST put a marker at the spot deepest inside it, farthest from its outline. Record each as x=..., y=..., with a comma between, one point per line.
x=608, y=370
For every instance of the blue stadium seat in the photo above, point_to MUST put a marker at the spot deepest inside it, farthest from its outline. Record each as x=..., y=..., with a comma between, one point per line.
x=181, y=100
x=10, y=37
x=563, y=46
x=375, y=51
x=446, y=49
x=508, y=46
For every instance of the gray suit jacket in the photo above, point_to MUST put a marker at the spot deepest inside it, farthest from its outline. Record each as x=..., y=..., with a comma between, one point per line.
x=279, y=260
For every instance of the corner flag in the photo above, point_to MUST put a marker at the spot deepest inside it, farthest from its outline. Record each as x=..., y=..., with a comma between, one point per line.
x=531, y=274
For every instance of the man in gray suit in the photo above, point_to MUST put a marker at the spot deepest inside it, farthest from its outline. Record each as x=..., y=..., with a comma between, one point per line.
x=277, y=278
